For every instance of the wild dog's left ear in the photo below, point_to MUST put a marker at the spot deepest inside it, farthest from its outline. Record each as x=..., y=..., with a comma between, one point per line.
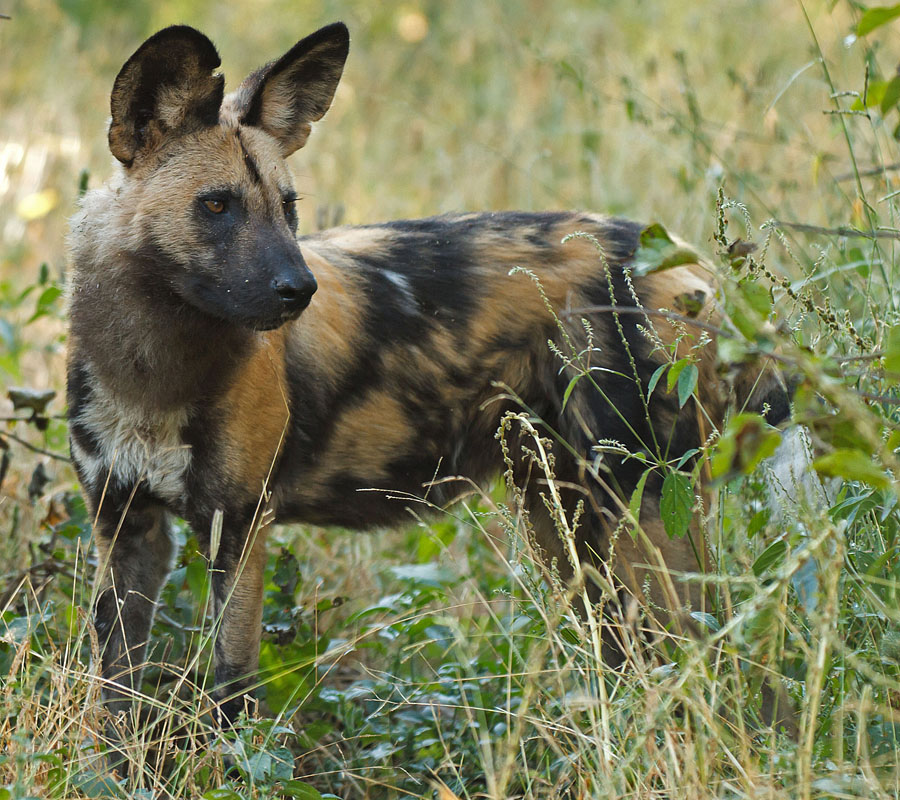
x=285, y=96
x=166, y=88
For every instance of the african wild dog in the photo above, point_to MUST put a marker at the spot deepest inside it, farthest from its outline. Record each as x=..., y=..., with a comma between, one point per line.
x=212, y=360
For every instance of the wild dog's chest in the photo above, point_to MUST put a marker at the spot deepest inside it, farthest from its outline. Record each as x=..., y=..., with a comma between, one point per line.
x=117, y=444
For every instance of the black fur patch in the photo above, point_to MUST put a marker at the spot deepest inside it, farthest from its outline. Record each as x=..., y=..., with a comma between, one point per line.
x=248, y=160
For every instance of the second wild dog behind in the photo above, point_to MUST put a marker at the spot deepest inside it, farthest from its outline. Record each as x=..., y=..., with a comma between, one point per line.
x=214, y=359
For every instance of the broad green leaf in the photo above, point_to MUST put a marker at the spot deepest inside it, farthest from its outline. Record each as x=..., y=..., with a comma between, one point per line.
x=851, y=465
x=893, y=441
x=687, y=382
x=875, y=92
x=572, y=383
x=757, y=297
x=45, y=302
x=876, y=17
x=748, y=326
x=676, y=503
x=654, y=378
x=225, y=793
x=634, y=505
x=287, y=572
x=269, y=765
x=747, y=440
x=300, y=790
x=197, y=578
x=707, y=620
x=657, y=251
x=758, y=521
x=686, y=456
x=892, y=350
x=891, y=94
x=675, y=373
x=770, y=557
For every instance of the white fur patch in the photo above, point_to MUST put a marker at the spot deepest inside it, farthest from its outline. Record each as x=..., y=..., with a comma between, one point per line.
x=134, y=445
x=402, y=283
x=790, y=478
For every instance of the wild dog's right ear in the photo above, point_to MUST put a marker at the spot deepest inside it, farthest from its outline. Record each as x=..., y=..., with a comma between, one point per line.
x=166, y=87
x=285, y=96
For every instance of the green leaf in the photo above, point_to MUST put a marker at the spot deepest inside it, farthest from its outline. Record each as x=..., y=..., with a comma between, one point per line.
x=45, y=302
x=851, y=465
x=197, y=578
x=570, y=387
x=876, y=17
x=269, y=765
x=892, y=350
x=707, y=620
x=891, y=94
x=770, y=557
x=676, y=503
x=657, y=251
x=634, y=505
x=287, y=572
x=654, y=378
x=747, y=440
x=893, y=441
x=758, y=521
x=225, y=793
x=874, y=95
x=300, y=790
x=687, y=382
x=757, y=296
x=675, y=373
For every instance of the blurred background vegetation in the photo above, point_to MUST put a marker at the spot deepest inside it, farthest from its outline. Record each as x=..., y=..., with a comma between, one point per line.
x=645, y=109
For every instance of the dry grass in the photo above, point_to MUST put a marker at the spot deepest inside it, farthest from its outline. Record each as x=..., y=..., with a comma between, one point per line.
x=464, y=679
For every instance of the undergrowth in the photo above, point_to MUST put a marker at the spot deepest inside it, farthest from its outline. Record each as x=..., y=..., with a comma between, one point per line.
x=435, y=661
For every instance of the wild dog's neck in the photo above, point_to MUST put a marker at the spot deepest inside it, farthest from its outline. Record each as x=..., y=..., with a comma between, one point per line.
x=143, y=343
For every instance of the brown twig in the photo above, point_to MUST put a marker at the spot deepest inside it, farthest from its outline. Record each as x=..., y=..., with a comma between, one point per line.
x=868, y=173
x=571, y=312
x=878, y=398
x=33, y=448
x=36, y=418
x=840, y=231
x=859, y=357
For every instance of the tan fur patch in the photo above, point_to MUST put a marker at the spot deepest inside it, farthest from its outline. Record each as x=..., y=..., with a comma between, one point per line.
x=332, y=325
x=256, y=413
x=367, y=437
x=240, y=630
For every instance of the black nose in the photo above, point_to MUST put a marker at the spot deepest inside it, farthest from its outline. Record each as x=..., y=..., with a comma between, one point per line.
x=295, y=290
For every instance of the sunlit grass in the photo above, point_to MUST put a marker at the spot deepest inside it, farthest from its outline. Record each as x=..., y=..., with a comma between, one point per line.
x=433, y=661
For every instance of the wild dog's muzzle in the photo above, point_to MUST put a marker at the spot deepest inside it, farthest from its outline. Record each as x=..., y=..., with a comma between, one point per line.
x=295, y=290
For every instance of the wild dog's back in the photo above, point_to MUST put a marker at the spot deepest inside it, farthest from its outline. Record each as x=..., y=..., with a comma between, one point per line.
x=421, y=339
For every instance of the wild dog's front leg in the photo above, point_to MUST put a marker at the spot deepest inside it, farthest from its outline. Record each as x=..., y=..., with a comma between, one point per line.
x=135, y=551
x=238, y=595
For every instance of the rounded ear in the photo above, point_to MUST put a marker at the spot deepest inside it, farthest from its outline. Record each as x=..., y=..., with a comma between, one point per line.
x=166, y=88
x=285, y=96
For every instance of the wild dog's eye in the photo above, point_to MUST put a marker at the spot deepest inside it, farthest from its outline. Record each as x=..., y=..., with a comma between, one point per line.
x=287, y=202
x=214, y=204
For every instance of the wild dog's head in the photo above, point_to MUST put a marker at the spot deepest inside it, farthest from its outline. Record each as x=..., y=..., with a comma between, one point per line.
x=210, y=199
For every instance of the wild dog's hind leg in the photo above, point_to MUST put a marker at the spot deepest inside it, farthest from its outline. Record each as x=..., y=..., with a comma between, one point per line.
x=238, y=597
x=135, y=556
